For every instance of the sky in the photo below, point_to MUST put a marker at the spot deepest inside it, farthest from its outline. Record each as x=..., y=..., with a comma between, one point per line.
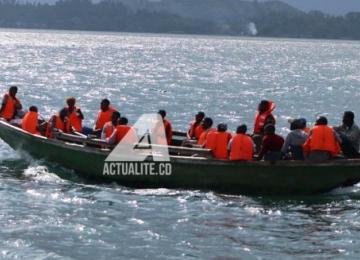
x=327, y=6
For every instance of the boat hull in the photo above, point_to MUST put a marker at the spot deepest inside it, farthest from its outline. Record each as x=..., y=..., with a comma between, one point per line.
x=254, y=178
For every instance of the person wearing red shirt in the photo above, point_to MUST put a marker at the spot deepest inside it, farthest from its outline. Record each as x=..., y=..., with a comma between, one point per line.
x=271, y=145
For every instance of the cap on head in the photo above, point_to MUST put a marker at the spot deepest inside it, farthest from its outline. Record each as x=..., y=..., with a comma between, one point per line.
x=241, y=129
x=321, y=121
x=162, y=113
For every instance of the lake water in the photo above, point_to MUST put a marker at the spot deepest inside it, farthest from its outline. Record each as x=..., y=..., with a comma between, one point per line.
x=49, y=212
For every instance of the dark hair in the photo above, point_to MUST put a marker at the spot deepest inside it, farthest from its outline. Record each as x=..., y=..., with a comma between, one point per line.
x=123, y=121
x=350, y=115
x=241, y=129
x=70, y=101
x=63, y=113
x=222, y=127
x=201, y=114
x=162, y=113
x=116, y=114
x=106, y=102
x=269, y=129
x=321, y=121
x=208, y=121
x=33, y=109
x=13, y=88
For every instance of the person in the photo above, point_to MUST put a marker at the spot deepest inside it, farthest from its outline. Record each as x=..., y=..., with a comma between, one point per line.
x=122, y=130
x=263, y=117
x=11, y=105
x=322, y=143
x=196, y=127
x=349, y=134
x=294, y=141
x=218, y=142
x=167, y=126
x=104, y=116
x=110, y=127
x=75, y=115
x=207, y=126
x=271, y=145
x=241, y=146
x=30, y=121
x=59, y=123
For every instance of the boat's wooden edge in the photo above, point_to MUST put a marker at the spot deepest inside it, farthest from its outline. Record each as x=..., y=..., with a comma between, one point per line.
x=185, y=159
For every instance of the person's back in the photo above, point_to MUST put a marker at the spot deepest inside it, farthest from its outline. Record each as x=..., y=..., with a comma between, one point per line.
x=30, y=121
x=271, y=145
x=121, y=131
x=59, y=123
x=167, y=127
x=322, y=143
x=218, y=142
x=207, y=129
x=294, y=141
x=241, y=146
x=110, y=126
x=196, y=128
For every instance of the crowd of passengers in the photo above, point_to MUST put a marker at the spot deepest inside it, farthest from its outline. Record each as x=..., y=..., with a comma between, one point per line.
x=318, y=143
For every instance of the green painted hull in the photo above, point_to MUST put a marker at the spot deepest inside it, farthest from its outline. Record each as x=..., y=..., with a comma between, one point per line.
x=256, y=178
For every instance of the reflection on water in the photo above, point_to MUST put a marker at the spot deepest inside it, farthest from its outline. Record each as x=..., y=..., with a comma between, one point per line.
x=49, y=212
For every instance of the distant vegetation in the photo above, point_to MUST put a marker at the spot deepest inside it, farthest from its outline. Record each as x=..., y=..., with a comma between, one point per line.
x=265, y=19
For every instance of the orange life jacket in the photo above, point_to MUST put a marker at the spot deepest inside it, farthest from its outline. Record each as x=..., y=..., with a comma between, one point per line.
x=9, y=109
x=59, y=124
x=242, y=148
x=203, y=136
x=109, y=128
x=30, y=122
x=218, y=143
x=168, y=131
x=75, y=120
x=322, y=138
x=260, y=119
x=195, y=130
x=104, y=117
x=122, y=131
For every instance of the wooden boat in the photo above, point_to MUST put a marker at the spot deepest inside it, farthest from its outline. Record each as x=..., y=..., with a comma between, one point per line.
x=191, y=168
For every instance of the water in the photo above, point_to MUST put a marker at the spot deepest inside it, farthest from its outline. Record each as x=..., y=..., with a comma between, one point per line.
x=50, y=212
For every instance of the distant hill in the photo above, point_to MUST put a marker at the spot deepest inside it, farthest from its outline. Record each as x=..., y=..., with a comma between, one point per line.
x=220, y=17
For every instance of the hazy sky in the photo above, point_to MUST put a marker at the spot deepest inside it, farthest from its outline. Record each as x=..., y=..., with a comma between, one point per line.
x=328, y=6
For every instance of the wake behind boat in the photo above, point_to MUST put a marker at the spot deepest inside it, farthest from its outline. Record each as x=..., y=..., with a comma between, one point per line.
x=191, y=168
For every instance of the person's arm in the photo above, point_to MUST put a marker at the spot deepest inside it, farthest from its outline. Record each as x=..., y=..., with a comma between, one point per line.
x=286, y=145
x=4, y=102
x=17, y=103
x=354, y=134
x=229, y=145
x=103, y=132
x=264, y=148
x=112, y=138
x=79, y=113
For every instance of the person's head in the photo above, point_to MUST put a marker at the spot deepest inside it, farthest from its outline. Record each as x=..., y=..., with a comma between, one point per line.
x=296, y=124
x=269, y=129
x=71, y=102
x=13, y=90
x=104, y=105
x=302, y=123
x=263, y=106
x=33, y=109
x=123, y=121
x=222, y=127
x=241, y=129
x=207, y=123
x=348, y=118
x=321, y=121
x=162, y=113
x=199, y=116
x=63, y=114
x=115, y=117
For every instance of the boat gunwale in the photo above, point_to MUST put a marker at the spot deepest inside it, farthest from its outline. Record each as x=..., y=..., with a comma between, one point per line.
x=184, y=159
